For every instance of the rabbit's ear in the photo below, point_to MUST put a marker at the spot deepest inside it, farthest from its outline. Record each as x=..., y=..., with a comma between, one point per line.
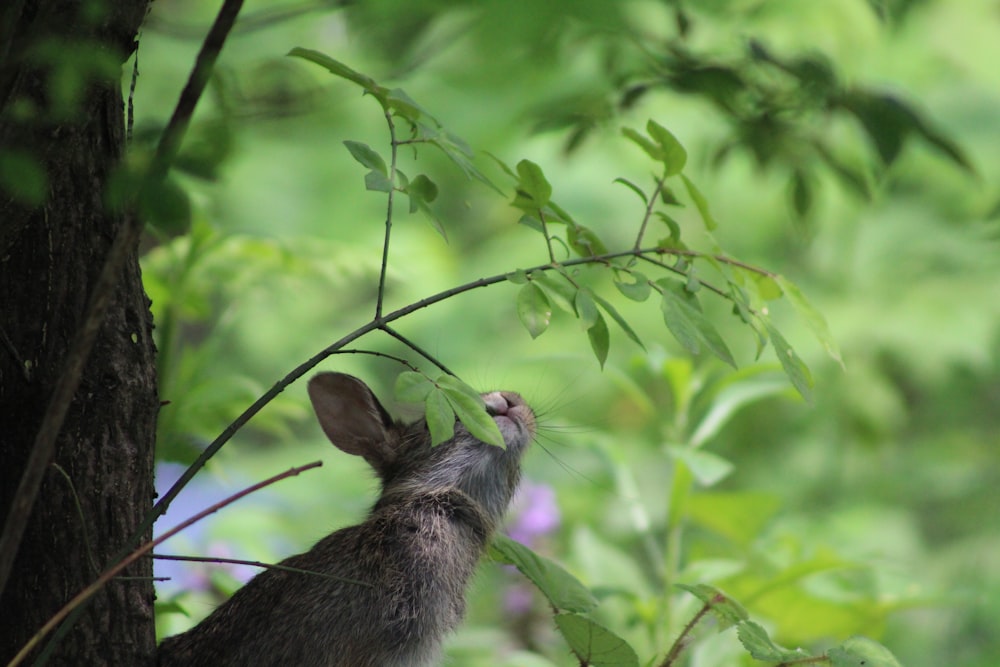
x=352, y=417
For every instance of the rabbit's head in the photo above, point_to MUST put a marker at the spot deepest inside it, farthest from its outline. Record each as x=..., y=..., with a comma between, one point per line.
x=402, y=455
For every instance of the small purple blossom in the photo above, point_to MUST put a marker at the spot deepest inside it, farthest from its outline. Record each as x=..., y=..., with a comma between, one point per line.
x=534, y=513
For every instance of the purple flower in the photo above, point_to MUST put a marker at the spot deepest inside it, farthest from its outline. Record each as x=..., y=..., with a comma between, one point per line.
x=534, y=513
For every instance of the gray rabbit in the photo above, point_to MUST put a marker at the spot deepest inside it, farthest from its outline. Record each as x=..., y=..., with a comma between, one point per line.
x=397, y=581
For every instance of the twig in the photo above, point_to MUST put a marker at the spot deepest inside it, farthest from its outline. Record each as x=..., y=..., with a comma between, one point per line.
x=416, y=348
x=394, y=152
x=649, y=212
x=682, y=639
x=112, y=571
x=257, y=563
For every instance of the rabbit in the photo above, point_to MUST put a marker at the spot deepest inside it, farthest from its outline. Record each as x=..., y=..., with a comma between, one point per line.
x=395, y=584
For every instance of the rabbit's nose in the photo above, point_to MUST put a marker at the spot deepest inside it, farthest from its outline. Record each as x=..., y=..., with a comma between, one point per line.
x=496, y=404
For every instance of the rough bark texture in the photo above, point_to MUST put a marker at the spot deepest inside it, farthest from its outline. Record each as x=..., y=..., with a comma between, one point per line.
x=100, y=482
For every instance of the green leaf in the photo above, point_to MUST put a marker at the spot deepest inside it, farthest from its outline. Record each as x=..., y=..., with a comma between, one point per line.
x=471, y=410
x=534, y=309
x=166, y=206
x=561, y=292
x=636, y=291
x=757, y=642
x=690, y=326
x=700, y=203
x=861, y=652
x=377, y=182
x=674, y=156
x=440, y=417
x=533, y=190
x=707, y=468
x=584, y=241
x=364, y=154
x=599, y=339
x=586, y=308
x=405, y=106
x=338, y=68
x=423, y=188
x=737, y=516
x=634, y=188
x=594, y=644
x=794, y=367
x=619, y=320
x=563, y=591
x=729, y=401
x=675, y=229
x=412, y=387
x=728, y=611
x=812, y=317
x=518, y=277
x=652, y=150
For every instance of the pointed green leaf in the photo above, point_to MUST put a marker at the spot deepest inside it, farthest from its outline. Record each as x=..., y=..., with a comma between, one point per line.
x=619, y=320
x=405, y=106
x=707, y=468
x=652, y=150
x=534, y=309
x=639, y=290
x=757, y=642
x=861, y=652
x=377, y=182
x=586, y=308
x=728, y=611
x=599, y=339
x=674, y=155
x=412, y=387
x=338, y=68
x=561, y=292
x=364, y=154
x=812, y=317
x=470, y=410
x=633, y=187
x=700, y=203
x=690, y=326
x=533, y=190
x=794, y=367
x=594, y=644
x=584, y=241
x=563, y=590
x=440, y=417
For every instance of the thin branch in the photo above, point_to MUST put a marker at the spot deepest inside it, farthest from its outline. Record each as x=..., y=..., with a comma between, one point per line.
x=416, y=348
x=683, y=639
x=113, y=571
x=649, y=212
x=394, y=154
x=257, y=563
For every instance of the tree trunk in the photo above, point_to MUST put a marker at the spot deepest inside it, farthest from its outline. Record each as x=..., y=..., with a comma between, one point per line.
x=100, y=482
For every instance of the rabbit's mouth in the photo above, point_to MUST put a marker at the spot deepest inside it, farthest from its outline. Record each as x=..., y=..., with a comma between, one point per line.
x=512, y=415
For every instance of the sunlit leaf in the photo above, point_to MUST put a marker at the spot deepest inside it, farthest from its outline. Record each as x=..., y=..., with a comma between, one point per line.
x=534, y=309
x=708, y=468
x=652, y=150
x=594, y=644
x=758, y=643
x=470, y=410
x=412, y=387
x=562, y=589
x=440, y=416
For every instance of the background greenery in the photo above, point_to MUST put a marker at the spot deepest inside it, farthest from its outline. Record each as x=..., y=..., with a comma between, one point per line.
x=871, y=511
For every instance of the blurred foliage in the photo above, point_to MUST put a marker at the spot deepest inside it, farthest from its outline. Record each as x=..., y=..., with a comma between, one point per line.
x=848, y=146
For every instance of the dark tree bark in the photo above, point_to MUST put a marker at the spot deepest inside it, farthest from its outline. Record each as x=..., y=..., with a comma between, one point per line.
x=100, y=482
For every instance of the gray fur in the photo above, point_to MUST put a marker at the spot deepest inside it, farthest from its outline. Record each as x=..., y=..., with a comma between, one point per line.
x=411, y=559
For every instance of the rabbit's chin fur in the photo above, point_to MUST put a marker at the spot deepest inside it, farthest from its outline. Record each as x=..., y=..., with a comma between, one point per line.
x=385, y=592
